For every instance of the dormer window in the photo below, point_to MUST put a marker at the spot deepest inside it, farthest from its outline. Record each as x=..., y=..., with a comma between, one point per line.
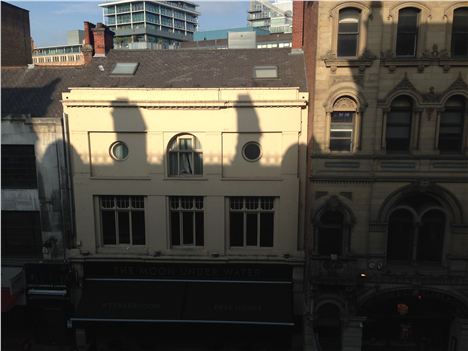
x=348, y=32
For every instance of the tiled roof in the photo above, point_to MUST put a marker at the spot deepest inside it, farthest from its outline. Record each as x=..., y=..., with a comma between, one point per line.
x=37, y=91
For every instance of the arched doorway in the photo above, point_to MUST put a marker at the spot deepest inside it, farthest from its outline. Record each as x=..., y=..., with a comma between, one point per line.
x=328, y=327
x=410, y=320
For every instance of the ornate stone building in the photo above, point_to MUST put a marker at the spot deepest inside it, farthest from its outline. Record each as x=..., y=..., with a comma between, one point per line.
x=388, y=174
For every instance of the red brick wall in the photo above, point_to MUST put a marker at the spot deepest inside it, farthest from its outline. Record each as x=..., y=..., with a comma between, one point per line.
x=298, y=24
x=16, y=36
x=103, y=40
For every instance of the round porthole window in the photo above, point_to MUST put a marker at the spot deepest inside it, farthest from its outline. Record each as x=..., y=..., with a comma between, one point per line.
x=119, y=151
x=252, y=151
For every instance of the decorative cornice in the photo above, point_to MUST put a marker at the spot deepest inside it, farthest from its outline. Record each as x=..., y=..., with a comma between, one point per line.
x=182, y=105
x=434, y=57
x=333, y=62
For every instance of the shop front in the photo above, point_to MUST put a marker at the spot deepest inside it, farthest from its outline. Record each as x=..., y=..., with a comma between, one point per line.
x=210, y=305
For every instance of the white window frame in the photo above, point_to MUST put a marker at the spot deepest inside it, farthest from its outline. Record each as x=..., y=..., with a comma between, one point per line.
x=116, y=209
x=177, y=150
x=180, y=210
x=244, y=210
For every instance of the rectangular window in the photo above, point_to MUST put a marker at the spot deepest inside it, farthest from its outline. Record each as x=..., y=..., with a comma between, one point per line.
x=341, y=131
x=348, y=32
x=137, y=6
x=18, y=167
x=21, y=234
x=186, y=220
x=407, y=32
x=460, y=32
x=122, y=220
x=398, y=130
x=251, y=221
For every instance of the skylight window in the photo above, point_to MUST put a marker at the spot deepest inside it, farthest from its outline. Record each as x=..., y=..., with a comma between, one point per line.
x=263, y=72
x=125, y=69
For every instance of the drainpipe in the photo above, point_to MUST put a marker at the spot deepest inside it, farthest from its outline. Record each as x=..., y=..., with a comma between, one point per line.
x=69, y=184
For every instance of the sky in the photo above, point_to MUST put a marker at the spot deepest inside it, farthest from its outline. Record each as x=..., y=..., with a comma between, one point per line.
x=50, y=20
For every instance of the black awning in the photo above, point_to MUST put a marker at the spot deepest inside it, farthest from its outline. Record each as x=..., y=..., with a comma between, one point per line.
x=176, y=302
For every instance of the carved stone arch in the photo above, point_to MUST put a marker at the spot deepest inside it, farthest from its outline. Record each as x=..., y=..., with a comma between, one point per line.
x=404, y=87
x=448, y=201
x=448, y=11
x=348, y=91
x=334, y=203
x=365, y=10
x=426, y=11
x=458, y=87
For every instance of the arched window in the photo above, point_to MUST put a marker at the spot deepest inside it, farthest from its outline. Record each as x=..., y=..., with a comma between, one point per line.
x=343, y=125
x=185, y=156
x=407, y=32
x=416, y=230
x=460, y=32
x=348, y=32
x=451, y=125
x=398, y=128
x=330, y=233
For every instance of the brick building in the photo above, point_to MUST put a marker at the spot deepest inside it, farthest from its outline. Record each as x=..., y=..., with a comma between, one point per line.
x=387, y=192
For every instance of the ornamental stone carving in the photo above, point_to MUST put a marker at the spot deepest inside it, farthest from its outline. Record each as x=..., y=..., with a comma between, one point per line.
x=345, y=104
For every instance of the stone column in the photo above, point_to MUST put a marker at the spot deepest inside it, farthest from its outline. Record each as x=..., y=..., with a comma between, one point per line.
x=352, y=334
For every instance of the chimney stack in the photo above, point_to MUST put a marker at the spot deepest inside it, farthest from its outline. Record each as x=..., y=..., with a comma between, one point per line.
x=103, y=39
x=298, y=24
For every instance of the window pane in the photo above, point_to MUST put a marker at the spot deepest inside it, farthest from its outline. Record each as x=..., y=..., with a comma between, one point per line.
x=451, y=131
x=266, y=229
x=330, y=241
x=348, y=27
x=452, y=117
x=400, y=236
x=347, y=44
x=398, y=132
x=173, y=163
x=185, y=144
x=138, y=227
x=187, y=227
x=408, y=20
x=342, y=117
x=199, y=228
x=18, y=166
x=346, y=134
x=406, y=44
x=21, y=233
x=340, y=145
x=108, y=227
x=251, y=229
x=236, y=229
x=198, y=163
x=251, y=203
x=175, y=228
x=186, y=163
x=460, y=44
x=430, y=238
x=124, y=227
